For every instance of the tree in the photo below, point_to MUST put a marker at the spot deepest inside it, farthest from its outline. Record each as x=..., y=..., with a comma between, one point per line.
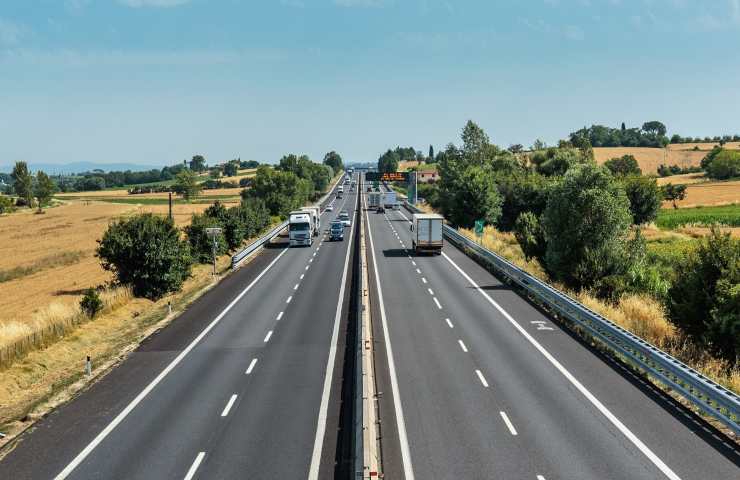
x=187, y=185
x=91, y=304
x=645, y=198
x=723, y=165
x=6, y=204
x=516, y=148
x=624, y=127
x=44, y=189
x=388, y=162
x=585, y=221
x=674, y=193
x=530, y=236
x=521, y=192
x=231, y=169
x=430, y=158
x=474, y=197
x=201, y=244
x=23, y=182
x=334, y=160
x=655, y=128
x=624, y=165
x=705, y=303
x=282, y=191
x=475, y=142
x=198, y=163
x=147, y=253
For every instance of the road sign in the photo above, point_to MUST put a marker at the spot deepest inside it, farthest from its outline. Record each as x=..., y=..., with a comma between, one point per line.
x=213, y=232
x=479, y=224
x=387, y=176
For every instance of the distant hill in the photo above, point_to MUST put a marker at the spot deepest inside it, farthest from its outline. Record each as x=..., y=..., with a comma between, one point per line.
x=79, y=167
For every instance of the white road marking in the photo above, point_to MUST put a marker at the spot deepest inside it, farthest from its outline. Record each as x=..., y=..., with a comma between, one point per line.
x=289, y=299
x=310, y=260
x=142, y=395
x=194, y=466
x=296, y=286
x=508, y=423
x=412, y=262
x=462, y=345
x=437, y=302
x=280, y=315
x=431, y=292
x=481, y=378
x=313, y=472
x=302, y=275
x=307, y=267
x=267, y=337
x=408, y=470
x=540, y=477
x=449, y=322
x=251, y=366
x=573, y=380
x=229, y=405
x=314, y=253
x=418, y=271
x=423, y=279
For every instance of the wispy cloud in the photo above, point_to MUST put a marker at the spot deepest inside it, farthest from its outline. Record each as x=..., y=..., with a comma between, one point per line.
x=10, y=32
x=571, y=32
x=361, y=3
x=153, y=3
x=69, y=58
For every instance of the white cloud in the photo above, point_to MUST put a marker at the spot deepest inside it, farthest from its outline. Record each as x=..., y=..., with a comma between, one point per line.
x=10, y=33
x=152, y=3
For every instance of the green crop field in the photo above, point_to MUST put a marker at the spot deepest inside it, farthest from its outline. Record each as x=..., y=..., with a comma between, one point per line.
x=727, y=215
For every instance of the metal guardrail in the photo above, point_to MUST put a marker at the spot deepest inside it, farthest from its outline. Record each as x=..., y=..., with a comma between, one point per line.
x=701, y=392
x=266, y=238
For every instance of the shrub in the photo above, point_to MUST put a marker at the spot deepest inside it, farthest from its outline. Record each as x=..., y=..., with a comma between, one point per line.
x=726, y=164
x=531, y=237
x=705, y=303
x=91, y=303
x=624, y=165
x=645, y=198
x=146, y=252
x=6, y=204
x=201, y=245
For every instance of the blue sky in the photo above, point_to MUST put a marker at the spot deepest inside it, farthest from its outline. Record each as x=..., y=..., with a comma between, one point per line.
x=156, y=81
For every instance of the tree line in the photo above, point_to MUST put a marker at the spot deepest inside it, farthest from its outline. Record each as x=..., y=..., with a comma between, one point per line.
x=580, y=221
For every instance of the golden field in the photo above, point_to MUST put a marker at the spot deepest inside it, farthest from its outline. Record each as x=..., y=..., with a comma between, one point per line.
x=709, y=193
x=650, y=159
x=702, y=146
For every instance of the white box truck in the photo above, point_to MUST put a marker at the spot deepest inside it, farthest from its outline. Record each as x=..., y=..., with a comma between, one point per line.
x=373, y=200
x=427, y=232
x=390, y=200
x=315, y=213
x=300, y=226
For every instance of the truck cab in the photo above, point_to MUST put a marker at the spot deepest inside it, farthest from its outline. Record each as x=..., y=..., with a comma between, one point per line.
x=300, y=229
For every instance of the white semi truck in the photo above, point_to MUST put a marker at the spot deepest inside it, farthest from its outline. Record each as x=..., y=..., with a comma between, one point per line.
x=315, y=213
x=300, y=228
x=427, y=233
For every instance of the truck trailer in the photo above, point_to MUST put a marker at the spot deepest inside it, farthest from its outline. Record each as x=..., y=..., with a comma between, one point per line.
x=427, y=233
x=315, y=213
x=374, y=200
x=390, y=200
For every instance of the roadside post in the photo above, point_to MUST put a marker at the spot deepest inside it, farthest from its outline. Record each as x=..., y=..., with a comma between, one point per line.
x=214, y=233
x=88, y=366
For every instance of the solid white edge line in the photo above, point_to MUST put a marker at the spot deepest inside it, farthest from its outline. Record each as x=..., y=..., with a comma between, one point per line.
x=228, y=406
x=408, y=470
x=462, y=345
x=579, y=386
x=124, y=413
x=449, y=322
x=508, y=423
x=251, y=366
x=481, y=378
x=267, y=337
x=318, y=444
x=194, y=466
x=439, y=305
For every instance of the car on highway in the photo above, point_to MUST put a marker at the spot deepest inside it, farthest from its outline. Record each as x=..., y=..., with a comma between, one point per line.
x=344, y=218
x=329, y=208
x=336, y=231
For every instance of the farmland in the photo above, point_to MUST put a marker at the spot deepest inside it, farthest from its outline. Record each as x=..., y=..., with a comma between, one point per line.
x=682, y=154
x=727, y=215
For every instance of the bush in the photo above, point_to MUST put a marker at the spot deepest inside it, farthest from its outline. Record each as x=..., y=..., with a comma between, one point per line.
x=146, y=252
x=528, y=232
x=625, y=165
x=282, y=191
x=201, y=245
x=521, y=192
x=705, y=303
x=91, y=303
x=475, y=197
x=726, y=164
x=6, y=204
x=645, y=198
x=585, y=222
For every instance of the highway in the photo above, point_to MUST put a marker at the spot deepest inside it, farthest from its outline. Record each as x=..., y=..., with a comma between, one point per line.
x=246, y=382
x=481, y=384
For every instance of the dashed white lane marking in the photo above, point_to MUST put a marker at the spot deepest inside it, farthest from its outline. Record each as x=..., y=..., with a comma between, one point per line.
x=194, y=466
x=314, y=253
x=412, y=262
x=310, y=261
x=508, y=423
x=439, y=305
x=540, y=477
x=302, y=275
x=431, y=292
x=289, y=299
x=307, y=266
x=280, y=315
x=228, y=406
x=481, y=378
x=251, y=366
x=296, y=286
x=462, y=345
x=423, y=279
x=267, y=337
x=449, y=322
x=418, y=271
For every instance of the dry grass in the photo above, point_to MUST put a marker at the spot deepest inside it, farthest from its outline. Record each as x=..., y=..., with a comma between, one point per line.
x=220, y=192
x=702, y=146
x=685, y=179
x=650, y=159
x=640, y=314
x=709, y=193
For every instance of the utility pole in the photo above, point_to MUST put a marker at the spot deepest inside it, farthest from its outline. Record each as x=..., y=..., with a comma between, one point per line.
x=170, y=214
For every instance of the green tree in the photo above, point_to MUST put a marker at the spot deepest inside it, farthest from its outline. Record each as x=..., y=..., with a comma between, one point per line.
x=521, y=192
x=673, y=193
x=530, y=236
x=474, y=197
x=198, y=163
x=430, y=158
x=6, y=204
x=44, y=189
x=624, y=165
x=231, y=169
x=147, y=253
x=23, y=182
x=654, y=128
x=282, y=191
x=724, y=165
x=334, y=160
x=186, y=183
x=201, y=244
x=91, y=304
x=475, y=142
x=705, y=302
x=645, y=198
x=585, y=223
x=388, y=162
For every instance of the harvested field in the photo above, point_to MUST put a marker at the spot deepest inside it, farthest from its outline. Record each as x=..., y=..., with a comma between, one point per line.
x=702, y=146
x=685, y=179
x=114, y=194
x=650, y=159
x=709, y=193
